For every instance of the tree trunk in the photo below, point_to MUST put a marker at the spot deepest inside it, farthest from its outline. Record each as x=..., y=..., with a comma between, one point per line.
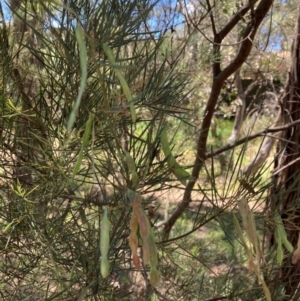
x=286, y=193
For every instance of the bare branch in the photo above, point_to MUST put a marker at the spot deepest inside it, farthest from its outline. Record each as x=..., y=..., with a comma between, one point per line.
x=251, y=137
x=218, y=81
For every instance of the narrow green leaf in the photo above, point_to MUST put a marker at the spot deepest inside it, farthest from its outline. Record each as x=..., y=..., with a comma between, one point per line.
x=122, y=80
x=104, y=243
x=83, y=65
x=179, y=172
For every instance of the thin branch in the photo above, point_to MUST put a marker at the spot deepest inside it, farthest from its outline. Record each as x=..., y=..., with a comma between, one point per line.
x=234, y=20
x=251, y=137
x=251, y=29
x=213, y=25
x=222, y=34
x=275, y=172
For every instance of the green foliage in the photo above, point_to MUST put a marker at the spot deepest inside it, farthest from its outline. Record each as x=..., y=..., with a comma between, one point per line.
x=98, y=107
x=96, y=92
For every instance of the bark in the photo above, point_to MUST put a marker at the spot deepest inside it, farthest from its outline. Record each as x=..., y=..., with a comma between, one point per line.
x=213, y=127
x=285, y=194
x=219, y=78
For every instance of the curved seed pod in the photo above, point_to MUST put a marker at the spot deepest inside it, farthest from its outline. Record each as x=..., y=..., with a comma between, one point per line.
x=104, y=243
x=152, y=251
x=144, y=224
x=134, y=224
x=133, y=243
x=132, y=168
x=279, y=256
x=179, y=172
x=134, y=221
x=104, y=239
x=166, y=149
x=282, y=232
x=122, y=80
x=104, y=267
x=83, y=65
x=146, y=254
x=279, y=253
x=154, y=276
x=287, y=244
x=136, y=261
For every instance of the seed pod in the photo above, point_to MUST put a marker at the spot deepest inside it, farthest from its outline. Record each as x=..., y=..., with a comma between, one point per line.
x=133, y=243
x=279, y=253
x=287, y=244
x=146, y=254
x=154, y=276
x=136, y=261
x=249, y=225
x=134, y=224
x=144, y=224
x=122, y=80
x=134, y=221
x=104, y=267
x=164, y=143
x=104, y=243
x=282, y=233
x=132, y=168
x=104, y=239
x=152, y=251
x=179, y=172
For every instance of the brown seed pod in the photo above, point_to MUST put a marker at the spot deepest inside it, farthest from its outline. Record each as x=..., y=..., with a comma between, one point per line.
x=152, y=251
x=144, y=224
x=136, y=261
x=133, y=242
x=146, y=255
x=134, y=224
